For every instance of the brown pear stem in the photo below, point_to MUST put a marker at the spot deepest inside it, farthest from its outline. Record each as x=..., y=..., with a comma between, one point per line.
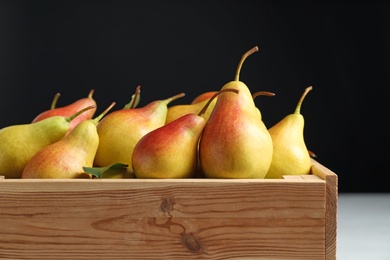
x=263, y=93
x=168, y=100
x=90, y=94
x=312, y=154
x=55, y=99
x=80, y=112
x=204, y=109
x=134, y=99
x=298, y=108
x=246, y=54
x=99, y=117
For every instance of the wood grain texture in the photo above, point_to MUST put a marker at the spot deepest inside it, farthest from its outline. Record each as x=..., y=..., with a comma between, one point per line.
x=331, y=207
x=166, y=219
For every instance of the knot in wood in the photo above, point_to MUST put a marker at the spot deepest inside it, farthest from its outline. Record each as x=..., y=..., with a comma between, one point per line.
x=191, y=242
x=166, y=205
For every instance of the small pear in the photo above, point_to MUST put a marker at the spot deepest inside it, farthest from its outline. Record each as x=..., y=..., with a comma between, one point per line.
x=235, y=142
x=171, y=151
x=66, y=158
x=18, y=143
x=120, y=130
x=174, y=112
x=290, y=156
x=70, y=109
x=203, y=96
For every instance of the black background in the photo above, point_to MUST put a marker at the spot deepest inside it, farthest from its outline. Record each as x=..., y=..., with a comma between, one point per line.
x=168, y=47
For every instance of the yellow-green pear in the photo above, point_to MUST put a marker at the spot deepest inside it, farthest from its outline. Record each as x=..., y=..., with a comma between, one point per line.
x=290, y=156
x=171, y=151
x=176, y=111
x=19, y=143
x=235, y=142
x=66, y=158
x=120, y=130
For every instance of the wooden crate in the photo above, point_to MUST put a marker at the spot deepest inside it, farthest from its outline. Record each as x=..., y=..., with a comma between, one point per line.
x=291, y=218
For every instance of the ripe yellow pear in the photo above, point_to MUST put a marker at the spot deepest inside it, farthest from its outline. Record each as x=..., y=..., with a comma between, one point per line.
x=290, y=156
x=235, y=142
x=19, y=143
x=66, y=158
x=120, y=130
x=171, y=151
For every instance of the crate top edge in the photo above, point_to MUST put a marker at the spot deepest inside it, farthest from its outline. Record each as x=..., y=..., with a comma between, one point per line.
x=319, y=174
x=290, y=178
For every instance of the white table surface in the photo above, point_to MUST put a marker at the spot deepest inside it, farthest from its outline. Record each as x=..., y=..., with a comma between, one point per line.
x=363, y=226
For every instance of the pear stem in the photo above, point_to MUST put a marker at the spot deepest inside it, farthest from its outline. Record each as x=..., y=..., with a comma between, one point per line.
x=312, y=154
x=55, y=99
x=134, y=99
x=99, y=117
x=168, y=100
x=263, y=93
x=246, y=54
x=204, y=109
x=80, y=112
x=298, y=108
x=90, y=94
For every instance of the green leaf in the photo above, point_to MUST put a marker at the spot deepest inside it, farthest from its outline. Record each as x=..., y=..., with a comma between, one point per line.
x=108, y=171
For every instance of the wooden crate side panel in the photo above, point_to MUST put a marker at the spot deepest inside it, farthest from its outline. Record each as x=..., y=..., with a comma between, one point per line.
x=175, y=220
x=331, y=180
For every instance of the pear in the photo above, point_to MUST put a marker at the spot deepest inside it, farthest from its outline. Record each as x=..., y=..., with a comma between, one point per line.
x=70, y=109
x=66, y=158
x=235, y=142
x=174, y=112
x=19, y=143
x=203, y=96
x=120, y=130
x=171, y=151
x=290, y=156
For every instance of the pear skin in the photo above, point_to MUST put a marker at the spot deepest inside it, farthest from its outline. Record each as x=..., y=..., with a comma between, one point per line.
x=290, y=156
x=66, y=158
x=235, y=142
x=171, y=151
x=203, y=96
x=70, y=109
x=19, y=143
x=120, y=130
x=174, y=112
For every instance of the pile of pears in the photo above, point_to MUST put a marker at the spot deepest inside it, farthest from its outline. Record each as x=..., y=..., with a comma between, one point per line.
x=220, y=134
